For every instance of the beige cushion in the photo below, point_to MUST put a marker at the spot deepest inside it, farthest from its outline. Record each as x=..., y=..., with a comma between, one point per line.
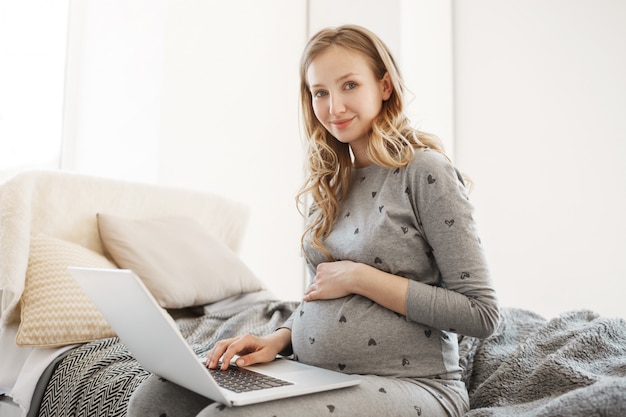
x=179, y=261
x=55, y=310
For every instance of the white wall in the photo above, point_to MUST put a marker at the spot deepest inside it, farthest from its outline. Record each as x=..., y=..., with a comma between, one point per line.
x=229, y=120
x=540, y=104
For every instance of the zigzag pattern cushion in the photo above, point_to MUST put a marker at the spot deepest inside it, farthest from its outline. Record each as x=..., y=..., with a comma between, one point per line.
x=55, y=310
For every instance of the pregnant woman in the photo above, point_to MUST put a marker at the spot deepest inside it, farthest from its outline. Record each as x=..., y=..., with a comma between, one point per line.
x=397, y=267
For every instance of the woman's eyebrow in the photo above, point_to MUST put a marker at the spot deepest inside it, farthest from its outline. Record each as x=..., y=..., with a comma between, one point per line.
x=343, y=77
x=338, y=80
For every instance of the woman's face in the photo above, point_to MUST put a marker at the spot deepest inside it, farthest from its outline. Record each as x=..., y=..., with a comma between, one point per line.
x=346, y=95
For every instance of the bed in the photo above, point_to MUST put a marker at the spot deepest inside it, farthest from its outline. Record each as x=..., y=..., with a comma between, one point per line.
x=570, y=365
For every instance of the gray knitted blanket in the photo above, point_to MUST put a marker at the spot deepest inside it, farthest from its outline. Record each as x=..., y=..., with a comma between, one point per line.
x=260, y=318
x=573, y=365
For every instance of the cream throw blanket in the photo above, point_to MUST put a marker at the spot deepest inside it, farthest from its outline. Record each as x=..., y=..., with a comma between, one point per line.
x=64, y=205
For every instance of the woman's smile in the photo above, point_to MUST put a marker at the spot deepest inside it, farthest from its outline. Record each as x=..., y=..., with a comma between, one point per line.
x=341, y=124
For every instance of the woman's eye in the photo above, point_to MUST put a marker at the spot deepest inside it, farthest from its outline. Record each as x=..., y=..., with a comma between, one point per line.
x=319, y=93
x=350, y=85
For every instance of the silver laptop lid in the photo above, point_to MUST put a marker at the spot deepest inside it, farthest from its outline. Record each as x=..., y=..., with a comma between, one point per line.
x=146, y=328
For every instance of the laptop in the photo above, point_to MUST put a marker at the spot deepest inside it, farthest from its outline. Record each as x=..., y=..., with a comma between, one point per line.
x=153, y=338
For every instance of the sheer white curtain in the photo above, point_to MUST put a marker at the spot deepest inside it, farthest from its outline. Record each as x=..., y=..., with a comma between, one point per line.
x=33, y=37
x=113, y=100
x=92, y=109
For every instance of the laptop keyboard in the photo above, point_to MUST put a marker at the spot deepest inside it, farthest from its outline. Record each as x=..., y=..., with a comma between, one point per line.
x=242, y=380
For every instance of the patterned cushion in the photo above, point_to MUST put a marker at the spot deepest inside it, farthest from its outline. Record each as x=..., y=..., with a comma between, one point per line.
x=55, y=310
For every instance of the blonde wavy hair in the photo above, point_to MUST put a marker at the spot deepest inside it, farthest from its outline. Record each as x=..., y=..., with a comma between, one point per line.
x=329, y=162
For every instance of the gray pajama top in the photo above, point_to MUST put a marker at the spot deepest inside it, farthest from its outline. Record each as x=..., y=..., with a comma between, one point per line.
x=415, y=222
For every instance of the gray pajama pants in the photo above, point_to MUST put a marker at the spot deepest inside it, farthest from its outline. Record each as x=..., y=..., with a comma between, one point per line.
x=375, y=396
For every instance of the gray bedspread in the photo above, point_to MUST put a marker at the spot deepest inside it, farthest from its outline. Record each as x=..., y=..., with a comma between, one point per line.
x=260, y=318
x=573, y=365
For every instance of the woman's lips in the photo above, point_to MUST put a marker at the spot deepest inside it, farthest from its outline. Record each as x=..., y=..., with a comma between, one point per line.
x=341, y=124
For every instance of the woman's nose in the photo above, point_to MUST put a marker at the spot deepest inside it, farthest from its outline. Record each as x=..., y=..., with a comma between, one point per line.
x=336, y=106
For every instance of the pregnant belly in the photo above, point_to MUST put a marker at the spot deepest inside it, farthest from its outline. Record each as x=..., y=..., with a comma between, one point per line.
x=355, y=335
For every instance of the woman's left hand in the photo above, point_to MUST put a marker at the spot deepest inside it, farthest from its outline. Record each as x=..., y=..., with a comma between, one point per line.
x=332, y=280
x=341, y=278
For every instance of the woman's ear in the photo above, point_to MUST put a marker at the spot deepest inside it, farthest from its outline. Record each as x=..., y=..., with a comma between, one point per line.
x=387, y=86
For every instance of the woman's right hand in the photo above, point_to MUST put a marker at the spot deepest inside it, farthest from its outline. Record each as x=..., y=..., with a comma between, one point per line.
x=251, y=349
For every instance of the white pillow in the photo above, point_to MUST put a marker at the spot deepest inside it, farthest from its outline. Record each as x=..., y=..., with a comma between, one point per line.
x=180, y=262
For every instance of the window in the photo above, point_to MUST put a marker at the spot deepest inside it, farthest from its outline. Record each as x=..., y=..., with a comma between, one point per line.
x=32, y=56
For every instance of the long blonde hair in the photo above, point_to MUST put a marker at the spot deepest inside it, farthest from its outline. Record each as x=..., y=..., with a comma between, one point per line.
x=329, y=162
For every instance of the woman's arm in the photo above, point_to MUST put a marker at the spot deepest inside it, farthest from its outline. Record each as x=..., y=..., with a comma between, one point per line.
x=464, y=299
x=475, y=314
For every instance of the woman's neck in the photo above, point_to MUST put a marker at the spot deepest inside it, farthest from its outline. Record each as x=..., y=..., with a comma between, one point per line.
x=361, y=160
